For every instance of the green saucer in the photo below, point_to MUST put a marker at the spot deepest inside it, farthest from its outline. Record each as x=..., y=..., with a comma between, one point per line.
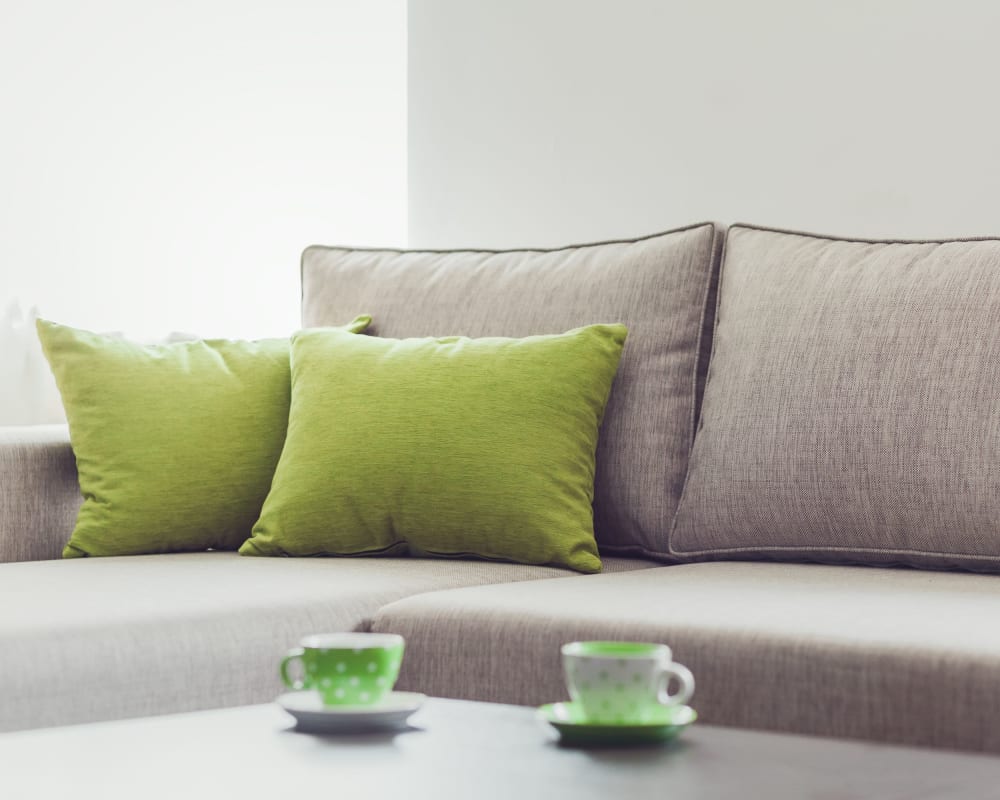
x=575, y=731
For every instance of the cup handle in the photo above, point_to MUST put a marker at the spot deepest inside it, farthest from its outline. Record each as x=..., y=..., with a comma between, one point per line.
x=684, y=677
x=293, y=655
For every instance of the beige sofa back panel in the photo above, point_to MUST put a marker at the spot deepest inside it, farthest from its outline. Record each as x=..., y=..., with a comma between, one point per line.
x=657, y=286
x=851, y=412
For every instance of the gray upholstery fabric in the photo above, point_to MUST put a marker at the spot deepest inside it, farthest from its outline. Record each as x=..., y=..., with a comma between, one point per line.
x=891, y=655
x=107, y=638
x=657, y=286
x=39, y=492
x=851, y=410
x=708, y=323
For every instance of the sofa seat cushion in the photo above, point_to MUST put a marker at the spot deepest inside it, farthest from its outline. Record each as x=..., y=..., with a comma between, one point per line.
x=108, y=638
x=883, y=654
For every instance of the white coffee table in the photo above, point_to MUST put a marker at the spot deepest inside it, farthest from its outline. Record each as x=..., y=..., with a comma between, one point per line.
x=460, y=750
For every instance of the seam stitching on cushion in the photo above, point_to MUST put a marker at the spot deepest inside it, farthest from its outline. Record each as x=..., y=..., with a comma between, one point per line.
x=829, y=237
x=839, y=549
x=579, y=246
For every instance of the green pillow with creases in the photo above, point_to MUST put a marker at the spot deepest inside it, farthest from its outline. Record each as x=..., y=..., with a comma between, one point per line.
x=450, y=447
x=175, y=444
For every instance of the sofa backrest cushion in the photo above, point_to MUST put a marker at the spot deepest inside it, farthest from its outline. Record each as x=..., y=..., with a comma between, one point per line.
x=851, y=412
x=656, y=286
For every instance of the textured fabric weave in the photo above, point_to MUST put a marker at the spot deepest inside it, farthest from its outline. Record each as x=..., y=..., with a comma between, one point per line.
x=448, y=447
x=107, y=638
x=39, y=493
x=655, y=286
x=851, y=410
x=175, y=444
x=881, y=654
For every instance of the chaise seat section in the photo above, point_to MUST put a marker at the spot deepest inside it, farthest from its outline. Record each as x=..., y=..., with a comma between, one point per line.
x=891, y=655
x=107, y=638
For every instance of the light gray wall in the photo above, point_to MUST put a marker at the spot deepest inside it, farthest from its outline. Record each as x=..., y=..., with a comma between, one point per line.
x=550, y=121
x=162, y=164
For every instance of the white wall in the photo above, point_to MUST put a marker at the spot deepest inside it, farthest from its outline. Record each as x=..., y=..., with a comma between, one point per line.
x=551, y=121
x=162, y=164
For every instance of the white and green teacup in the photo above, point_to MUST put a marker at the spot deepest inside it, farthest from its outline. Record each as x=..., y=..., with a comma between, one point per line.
x=357, y=669
x=623, y=682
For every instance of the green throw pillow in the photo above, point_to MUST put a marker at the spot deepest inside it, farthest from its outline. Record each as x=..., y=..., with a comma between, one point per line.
x=442, y=447
x=175, y=444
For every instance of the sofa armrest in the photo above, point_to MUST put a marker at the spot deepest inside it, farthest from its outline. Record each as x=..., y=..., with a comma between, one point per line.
x=39, y=492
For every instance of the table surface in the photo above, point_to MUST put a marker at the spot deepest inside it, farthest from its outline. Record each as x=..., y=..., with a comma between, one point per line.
x=457, y=749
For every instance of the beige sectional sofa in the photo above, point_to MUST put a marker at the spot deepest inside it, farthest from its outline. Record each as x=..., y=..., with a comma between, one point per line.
x=879, y=444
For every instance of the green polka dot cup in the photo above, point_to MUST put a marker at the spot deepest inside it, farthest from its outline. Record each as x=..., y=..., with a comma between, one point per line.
x=346, y=669
x=622, y=683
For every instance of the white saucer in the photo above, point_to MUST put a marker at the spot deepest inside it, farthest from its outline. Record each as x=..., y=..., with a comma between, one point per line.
x=313, y=717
